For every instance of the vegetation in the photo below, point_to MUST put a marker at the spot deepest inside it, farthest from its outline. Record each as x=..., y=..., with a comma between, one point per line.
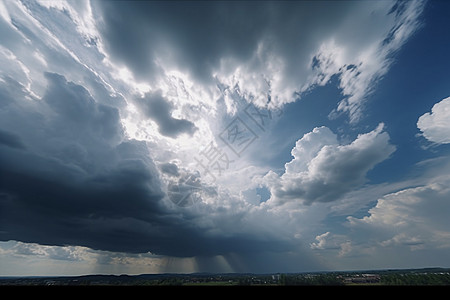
x=317, y=279
x=416, y=279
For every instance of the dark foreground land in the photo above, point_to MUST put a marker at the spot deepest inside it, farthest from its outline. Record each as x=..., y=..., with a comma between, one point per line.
x=416, y=277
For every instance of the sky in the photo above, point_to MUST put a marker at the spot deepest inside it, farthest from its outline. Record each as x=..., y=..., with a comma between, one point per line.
x=265, y=137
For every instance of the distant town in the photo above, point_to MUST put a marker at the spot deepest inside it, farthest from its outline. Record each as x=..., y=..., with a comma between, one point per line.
x=428, y=276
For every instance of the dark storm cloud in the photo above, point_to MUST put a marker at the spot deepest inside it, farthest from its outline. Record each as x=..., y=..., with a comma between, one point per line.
x=80, y=182
x=157, y=108
x=202, y=30
x=82, y=115
x=170, y=169
x=78, y=172
x=10, y=140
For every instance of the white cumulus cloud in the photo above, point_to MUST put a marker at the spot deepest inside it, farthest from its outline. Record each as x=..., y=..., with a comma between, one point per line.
x=435, y=126
x=323, y=170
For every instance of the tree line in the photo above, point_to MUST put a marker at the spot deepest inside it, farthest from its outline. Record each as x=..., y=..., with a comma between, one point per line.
x=416, y=279
x=319, y=279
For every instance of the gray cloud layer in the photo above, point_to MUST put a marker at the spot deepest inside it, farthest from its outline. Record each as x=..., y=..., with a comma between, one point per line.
x=195, y=37
x=294, y=45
